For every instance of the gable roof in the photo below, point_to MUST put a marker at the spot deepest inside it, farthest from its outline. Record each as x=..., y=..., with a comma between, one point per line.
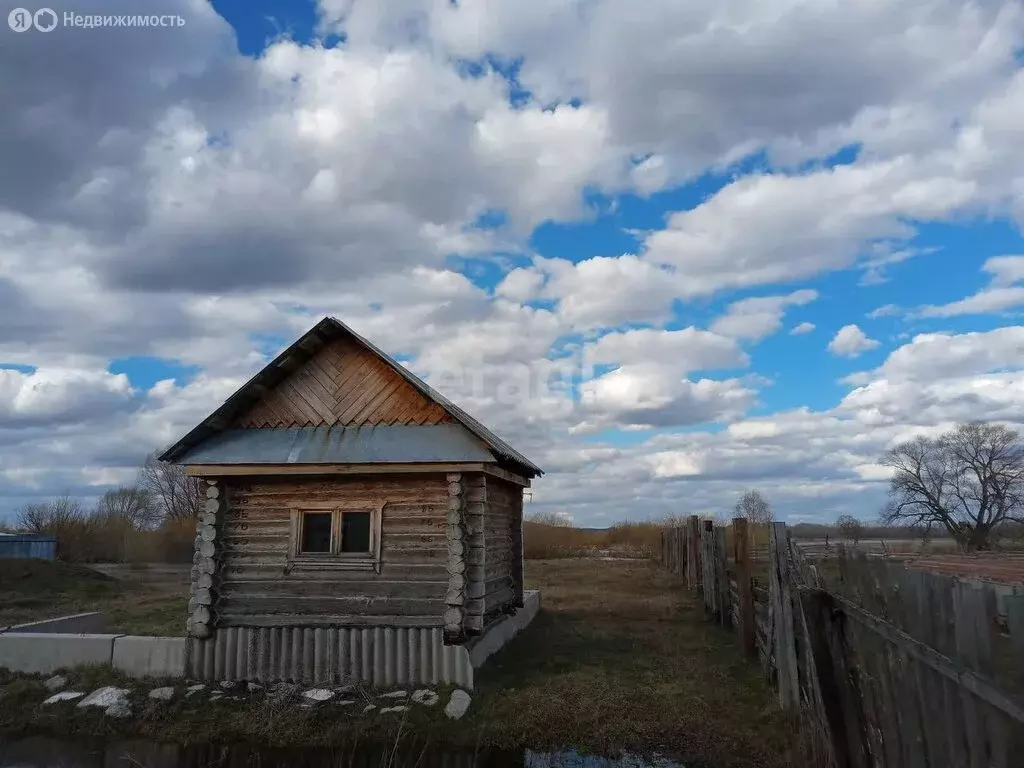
x=302, y=350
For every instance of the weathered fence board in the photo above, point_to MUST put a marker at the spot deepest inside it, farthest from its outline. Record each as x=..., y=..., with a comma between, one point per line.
x=888, y=668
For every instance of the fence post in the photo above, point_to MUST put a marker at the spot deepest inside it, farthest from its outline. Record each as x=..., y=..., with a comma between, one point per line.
x=783, y=636
x=744, y=589
x=707, y=559
x=723, y=602
x=693, y=573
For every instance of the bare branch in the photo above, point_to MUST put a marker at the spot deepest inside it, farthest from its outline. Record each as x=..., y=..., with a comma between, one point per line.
x=969, y=480
x=175, y=494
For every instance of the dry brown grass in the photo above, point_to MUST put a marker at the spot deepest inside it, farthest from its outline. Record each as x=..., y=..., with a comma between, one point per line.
x=622, y=657
x=31, y=590
x=543, y=540
x=619, y=658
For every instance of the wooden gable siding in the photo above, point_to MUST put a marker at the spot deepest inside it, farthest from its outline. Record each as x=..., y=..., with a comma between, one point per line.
x=342, y=384
x=408, y=591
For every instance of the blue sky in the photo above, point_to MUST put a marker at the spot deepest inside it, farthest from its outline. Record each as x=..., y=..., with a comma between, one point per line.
x=647, y=207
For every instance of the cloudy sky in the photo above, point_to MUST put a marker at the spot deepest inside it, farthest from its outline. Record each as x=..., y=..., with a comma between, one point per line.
x=670, y=255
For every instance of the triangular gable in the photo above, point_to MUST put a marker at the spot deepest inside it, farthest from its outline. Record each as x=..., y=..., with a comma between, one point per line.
x=342, y=384
x=374, y=389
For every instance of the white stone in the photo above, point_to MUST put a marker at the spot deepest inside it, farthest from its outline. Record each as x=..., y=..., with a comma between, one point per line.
x=426, y=697
x=162, y=694
x=457, y=704
x=344, y=702
x=55, y=683
x=227, y=685
x=399, y=708
x=318, y=694
x=395, y=695
x=119, y=709
x=369, y=708
x=192, y=690
x=104, y=697
x=64, y=696
x=254, y=687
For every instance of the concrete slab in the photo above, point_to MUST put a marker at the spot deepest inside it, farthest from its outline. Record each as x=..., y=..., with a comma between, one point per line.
x=80, y=623
x=40, y=652
x=497, y=635
x=149, y=656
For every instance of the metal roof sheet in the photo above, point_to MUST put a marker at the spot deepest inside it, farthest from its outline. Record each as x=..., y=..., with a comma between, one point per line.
x=304, y=348
x=340, y=445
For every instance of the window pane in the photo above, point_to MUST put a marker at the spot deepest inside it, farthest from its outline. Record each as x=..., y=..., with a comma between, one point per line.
x=316, y=532
x=355, y=532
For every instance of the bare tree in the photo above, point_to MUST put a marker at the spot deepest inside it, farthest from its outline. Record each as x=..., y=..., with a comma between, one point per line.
x=50, y=516
x=753, y=506
x=969, y=481
x=132, y=504
x=549, y=518
x=175, y=495
x=850, y=528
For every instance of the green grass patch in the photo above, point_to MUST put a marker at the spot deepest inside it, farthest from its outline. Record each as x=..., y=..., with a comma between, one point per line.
x=32, y=590
x=619, y=658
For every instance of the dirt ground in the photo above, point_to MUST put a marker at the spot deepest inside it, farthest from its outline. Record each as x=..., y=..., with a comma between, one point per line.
x=134, y=602
x=1001, y=567
x=620, y=657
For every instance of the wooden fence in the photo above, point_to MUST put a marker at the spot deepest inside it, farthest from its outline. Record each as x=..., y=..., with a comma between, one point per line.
x=887, y=667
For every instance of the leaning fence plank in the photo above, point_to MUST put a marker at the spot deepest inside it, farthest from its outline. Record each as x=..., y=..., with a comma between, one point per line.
x=868, y=684
x=722, y=579
x=784, y=646
x=889, y=721
x=911, y=714
x=968, y=610
x=744, y=591
x=1015, y=623
x=839, y=733
x=693, y=552
x=929, y=704
x=707, y=559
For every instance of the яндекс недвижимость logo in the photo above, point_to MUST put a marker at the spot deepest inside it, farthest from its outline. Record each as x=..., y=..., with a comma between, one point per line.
x=46, y=20
x=22, y=19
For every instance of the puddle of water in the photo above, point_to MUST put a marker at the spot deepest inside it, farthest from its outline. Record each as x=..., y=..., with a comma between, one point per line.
x=55, y=753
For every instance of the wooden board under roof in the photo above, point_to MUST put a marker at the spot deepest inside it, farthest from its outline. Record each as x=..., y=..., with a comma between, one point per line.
x=342, y=384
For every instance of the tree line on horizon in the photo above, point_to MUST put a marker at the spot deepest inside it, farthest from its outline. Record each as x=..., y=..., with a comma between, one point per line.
x=966, y=484
x=151, y=520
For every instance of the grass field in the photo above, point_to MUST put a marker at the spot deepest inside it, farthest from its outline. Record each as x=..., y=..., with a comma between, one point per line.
x=31, y=590
x=619, y=658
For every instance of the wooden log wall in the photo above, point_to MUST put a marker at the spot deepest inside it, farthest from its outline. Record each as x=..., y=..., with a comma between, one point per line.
x=518, y=552
x=476, y=538
x=257, y=589
x=205, y=587
x=455, y=533
x=502, y=557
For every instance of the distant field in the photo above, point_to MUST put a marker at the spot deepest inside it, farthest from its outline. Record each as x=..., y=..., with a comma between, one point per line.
x=31, y=590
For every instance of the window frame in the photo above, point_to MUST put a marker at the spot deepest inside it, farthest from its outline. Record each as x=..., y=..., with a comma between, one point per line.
x=335, y=558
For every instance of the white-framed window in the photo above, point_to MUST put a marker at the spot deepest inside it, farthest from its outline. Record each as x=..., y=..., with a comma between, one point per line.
x=336, y=535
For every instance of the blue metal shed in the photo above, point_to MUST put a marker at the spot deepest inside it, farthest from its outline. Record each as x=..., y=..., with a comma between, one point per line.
x=25, y=545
